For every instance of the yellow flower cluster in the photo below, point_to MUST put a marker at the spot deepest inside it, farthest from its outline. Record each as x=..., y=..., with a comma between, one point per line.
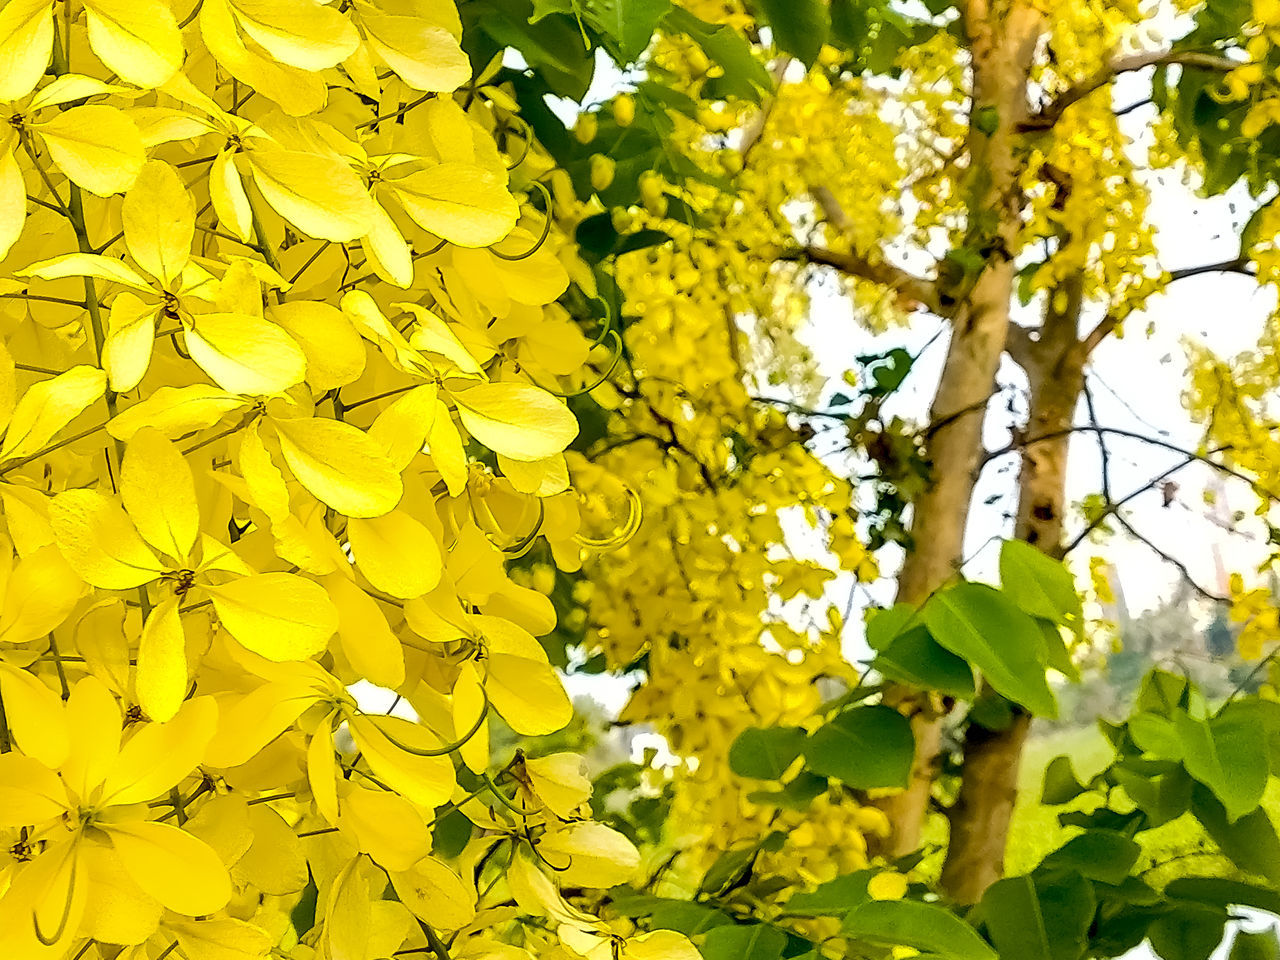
x=723, y=476
x=1084, y=194
x=280, y=393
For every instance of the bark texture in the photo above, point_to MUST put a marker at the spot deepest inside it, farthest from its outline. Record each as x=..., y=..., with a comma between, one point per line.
x=980, y=817
x=1002, y=39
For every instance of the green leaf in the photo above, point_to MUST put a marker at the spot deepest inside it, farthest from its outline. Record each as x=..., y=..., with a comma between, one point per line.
x=1103, y=855
x=1039, y=920
x=1231, y=750
x=991, y=710
x=625, y=26
x=1228, y=753
x=1250, y=842
x=928, y=928
x=1040, y=585
x=1263, y=945
x=1163, y=692
x=553, y=46
x=765, y=753
x=665, y=913
x=744, y=75
x=757, y=941
x=1060, y=782
x=1161, y=790
x=884, y=625
x=833, y=898
x=1189, y=932
x=451, y=833
x=1056, y=654
x=544, y=8
x=987, y=119
x=1223, y=893
x=640, y=240
x=983, y=626
x=690, y=919
x=796, y=795
x=866, y=748
x=799, y=27
x=733, y=866
x=914, y=657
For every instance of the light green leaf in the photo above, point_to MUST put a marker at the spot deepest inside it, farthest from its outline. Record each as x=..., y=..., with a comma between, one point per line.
x=926, y=927
x=799, y=27
x=866, y=748
x=757, y=941
x=765, y=753
x=1040, y=585
x=983, y=626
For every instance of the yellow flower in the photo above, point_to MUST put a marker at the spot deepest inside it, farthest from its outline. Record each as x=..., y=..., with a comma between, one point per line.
x=89, y=830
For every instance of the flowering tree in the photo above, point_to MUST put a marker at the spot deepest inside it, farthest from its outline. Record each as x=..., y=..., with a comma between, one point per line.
x=334, y=359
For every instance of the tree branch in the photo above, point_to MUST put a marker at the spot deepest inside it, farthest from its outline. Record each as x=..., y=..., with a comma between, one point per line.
x=917, y=290
x=1237, y=264
x=1048, y=115
x=754, y=128
x=1019, y=346
x=1099, y=333
x=1171, y=560
x=1205, y=458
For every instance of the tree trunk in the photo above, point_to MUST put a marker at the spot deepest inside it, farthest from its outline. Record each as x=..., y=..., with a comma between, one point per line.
x=988, y=788
x=1002, y=40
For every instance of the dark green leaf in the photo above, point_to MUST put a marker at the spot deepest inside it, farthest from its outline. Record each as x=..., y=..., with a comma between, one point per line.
x=1223, y=893
x=553, y=45
x=1130, y=891
x=640, y=240
x=1117, y=933
x=866, y=748
x=1060, y=782
x=799, y=27
x=1250, y=842
x=451, y=832
x=833, y=898
x=729, y=869
x=991, y=710
x=744, y=75
x=925, y=926
x=1104, y=855
x=914, y=657
x=1163, y=791
x=596, y=236
x=1046, y=920
x=1263, y=945
x=796, y=795
x=690, y=919
x=848, y=24
x=1189, y=932
x=625, y=26
x=1103, y=818
x=757, y=941
x=765, y=753
x=983, y=626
